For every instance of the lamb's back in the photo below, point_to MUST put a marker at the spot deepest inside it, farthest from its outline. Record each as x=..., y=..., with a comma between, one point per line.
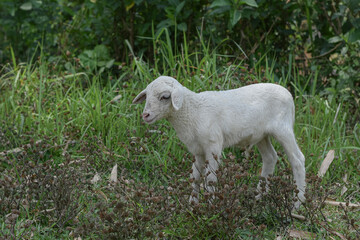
x=239, y=113
x=255, y=97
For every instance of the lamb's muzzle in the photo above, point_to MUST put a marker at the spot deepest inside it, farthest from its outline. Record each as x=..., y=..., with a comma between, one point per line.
x=207, y=122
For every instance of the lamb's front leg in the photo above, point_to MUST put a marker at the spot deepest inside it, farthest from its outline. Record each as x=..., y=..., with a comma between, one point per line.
x=213, y=158
x=198, y=169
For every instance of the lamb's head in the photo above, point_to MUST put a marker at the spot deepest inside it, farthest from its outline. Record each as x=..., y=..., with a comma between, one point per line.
x=163, y=96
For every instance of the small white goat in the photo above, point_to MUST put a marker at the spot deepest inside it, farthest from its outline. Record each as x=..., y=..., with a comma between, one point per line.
x=208, y=122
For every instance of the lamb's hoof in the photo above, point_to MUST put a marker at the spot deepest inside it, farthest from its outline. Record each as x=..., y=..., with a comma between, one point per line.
x=193, y=199
x=300, y=200
x=260, y=194
x=297, y=204
x=258, y=197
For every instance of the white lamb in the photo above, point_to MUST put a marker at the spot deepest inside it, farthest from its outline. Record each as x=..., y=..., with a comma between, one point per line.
x=210, y=121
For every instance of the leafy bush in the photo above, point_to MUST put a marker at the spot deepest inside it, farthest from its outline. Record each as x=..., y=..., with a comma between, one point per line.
x=344, y=80
x=282, y=26
x=96, y=60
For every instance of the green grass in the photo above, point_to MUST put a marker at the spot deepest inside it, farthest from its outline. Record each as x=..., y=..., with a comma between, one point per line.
x=38, y=99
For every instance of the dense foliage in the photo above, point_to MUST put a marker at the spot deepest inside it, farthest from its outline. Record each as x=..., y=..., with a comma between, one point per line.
x=310, y=27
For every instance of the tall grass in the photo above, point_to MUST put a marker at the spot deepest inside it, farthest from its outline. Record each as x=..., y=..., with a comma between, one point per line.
x=35, y=95
x=38, y=96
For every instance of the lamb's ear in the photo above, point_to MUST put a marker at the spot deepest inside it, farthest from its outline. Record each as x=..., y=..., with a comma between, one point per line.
x=177, y=98
x=140, y=97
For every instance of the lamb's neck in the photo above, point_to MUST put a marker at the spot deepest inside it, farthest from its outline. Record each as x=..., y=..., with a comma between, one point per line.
x=186, y=116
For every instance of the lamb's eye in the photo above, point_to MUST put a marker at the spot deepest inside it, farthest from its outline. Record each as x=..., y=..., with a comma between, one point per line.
x=164, y=97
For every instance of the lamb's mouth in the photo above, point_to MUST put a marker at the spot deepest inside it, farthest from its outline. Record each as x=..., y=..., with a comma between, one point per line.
x=150, y=120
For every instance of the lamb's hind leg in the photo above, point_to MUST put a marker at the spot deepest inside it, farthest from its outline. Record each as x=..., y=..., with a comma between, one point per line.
x=269, y=159
x=287, y=139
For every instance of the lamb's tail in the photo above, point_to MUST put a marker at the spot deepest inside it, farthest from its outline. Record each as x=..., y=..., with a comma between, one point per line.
x=293, y=114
